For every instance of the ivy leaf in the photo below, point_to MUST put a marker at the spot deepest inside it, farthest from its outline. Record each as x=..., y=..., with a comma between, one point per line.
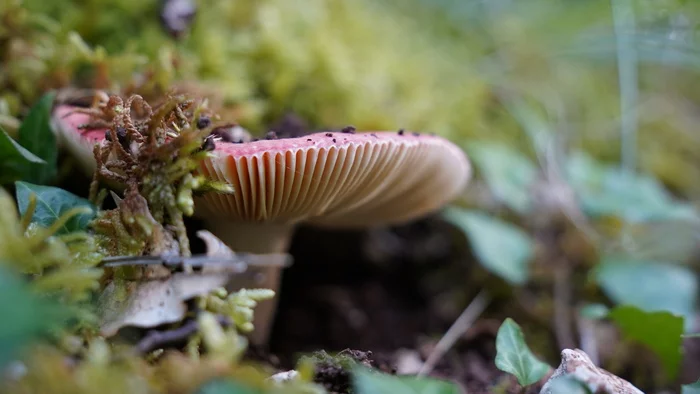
x=52, y=203
x=36, y=135
x=226, y=386
x=665, y=240
x=507, y=172
x=594, y=311
x=370, y=382
x=659, y=331
x=568, y=385
x=26, y=316
x=648, y=285
x=693, y=388
x=14, y=159
x=606, y=191
x=502, y=248
x=514, y=356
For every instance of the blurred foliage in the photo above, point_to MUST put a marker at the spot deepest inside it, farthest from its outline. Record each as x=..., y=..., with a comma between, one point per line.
x=502, y=248
x=693, y=388
x=16, y=159
x=377, y=65
x=27, y=315
x=660, y=331
x=532, y=91
x=35, y=134
x=61, y=264
x=371, y=382
x=666, y=287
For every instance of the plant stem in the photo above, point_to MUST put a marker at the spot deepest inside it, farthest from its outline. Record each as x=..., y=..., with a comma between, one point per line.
x=624, y=22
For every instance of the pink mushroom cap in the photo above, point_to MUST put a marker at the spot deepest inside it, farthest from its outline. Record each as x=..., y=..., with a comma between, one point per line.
x=336, y=179
x=332, y=179
x=79, y=143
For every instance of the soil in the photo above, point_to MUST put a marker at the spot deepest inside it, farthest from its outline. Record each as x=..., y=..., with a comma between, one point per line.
x=390, y=293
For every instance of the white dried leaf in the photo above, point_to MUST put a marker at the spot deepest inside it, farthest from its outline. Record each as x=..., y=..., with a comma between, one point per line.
x=153, y=302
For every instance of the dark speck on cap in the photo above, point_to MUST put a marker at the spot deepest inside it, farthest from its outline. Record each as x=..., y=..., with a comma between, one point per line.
x=224, y=132
x=333, y=139
x=348, y=130
x=203, y=122
x=329, y=134
x=309, y=139
x=209, y=144
x=401, y=131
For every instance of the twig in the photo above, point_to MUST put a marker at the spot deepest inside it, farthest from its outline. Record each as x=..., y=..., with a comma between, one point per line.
x=156, y=339
x=589, y=344
x=459, y=327
x=624, y=23
x=562, y=310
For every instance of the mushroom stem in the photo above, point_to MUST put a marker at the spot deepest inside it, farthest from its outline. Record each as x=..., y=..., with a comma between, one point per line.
x=249, y=237
x=261, y=238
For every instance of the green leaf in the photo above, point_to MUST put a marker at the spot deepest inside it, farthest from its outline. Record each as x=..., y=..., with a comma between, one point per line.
x=14, y=159
x=693, y=388
x=370, y=382
x=508, y=173
x=227, y=386
x=650, y=286
x=666, y=240
x=566, y=384
x=25, y=316
x=514, y=356
x=36, y=135
x=659, y=331
x=606, y=191
x=594, y=311
x=502, y=248
x=52, y=203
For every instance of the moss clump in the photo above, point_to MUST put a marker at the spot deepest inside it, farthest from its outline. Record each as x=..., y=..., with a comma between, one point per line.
x=150, y=153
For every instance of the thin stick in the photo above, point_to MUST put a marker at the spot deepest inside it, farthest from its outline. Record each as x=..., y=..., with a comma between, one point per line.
x=459, y=327
x=624, y=23
x=562, y=310
x=589, y=344
x=156, y=339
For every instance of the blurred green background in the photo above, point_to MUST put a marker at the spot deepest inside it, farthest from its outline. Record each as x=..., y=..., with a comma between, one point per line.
x=581, y=109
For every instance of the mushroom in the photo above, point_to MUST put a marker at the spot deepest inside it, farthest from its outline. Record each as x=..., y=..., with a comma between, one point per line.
x=78, y=143
x=333, y=180
x=340, y=180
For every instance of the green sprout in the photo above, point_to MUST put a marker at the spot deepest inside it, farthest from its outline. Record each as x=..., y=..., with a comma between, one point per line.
x=237, y=305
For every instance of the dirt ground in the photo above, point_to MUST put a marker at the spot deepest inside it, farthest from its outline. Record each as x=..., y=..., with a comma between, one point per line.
x=390, y=292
